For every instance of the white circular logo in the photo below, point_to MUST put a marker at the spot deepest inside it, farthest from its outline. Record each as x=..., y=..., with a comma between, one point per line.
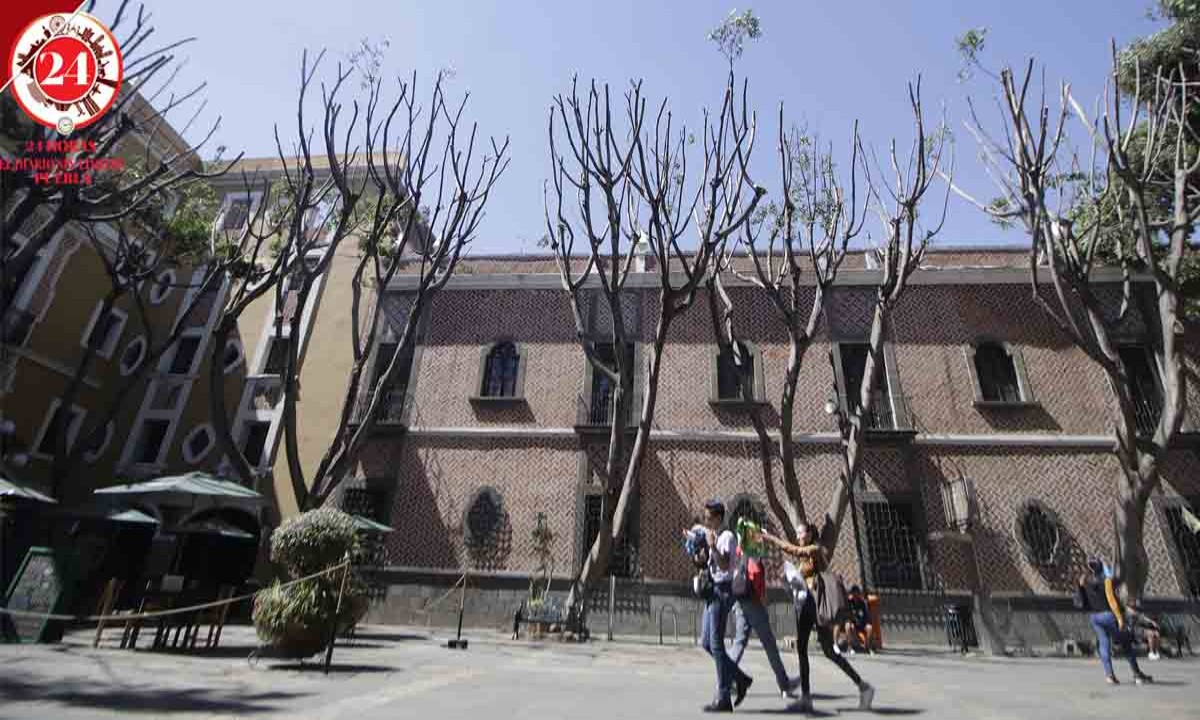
x=66, y=70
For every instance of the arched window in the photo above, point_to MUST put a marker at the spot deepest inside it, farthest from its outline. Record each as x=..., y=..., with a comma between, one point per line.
x=133, y=355
x=502, y=371
x=1037, y=531
x=198, y=443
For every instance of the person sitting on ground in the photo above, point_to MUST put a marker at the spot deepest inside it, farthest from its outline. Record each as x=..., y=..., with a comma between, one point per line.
x=1150, y=631
x=855, y=623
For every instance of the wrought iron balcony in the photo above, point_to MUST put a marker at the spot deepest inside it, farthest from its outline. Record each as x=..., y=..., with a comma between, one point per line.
x=1146, y=413
x=596, y=411
x=393, y=412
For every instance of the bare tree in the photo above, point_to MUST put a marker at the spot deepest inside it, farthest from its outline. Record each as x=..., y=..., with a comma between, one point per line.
x=405, y=229
x=1133, y=198
x=39, y=209
x=629, y=186
x=809, y=231
x=904, y=241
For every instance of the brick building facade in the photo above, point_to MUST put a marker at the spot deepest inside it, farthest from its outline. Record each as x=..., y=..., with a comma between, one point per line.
x=463, y=476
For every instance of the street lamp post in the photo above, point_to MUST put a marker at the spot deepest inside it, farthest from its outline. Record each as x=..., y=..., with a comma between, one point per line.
x=832, y=408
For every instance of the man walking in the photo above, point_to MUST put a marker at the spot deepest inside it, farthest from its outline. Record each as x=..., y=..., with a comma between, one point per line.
x=752, y=616
x=721, y=556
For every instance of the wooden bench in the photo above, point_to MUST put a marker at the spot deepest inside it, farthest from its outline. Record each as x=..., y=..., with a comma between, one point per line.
x=545, y=615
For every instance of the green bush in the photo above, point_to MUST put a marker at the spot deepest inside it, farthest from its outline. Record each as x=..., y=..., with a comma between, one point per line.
x=295, y=619
x=312, y=541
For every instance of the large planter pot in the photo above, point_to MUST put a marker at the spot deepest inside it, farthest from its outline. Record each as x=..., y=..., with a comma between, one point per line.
x=301, y=642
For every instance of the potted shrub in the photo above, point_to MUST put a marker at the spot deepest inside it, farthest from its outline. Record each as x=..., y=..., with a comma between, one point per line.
x=295, y=619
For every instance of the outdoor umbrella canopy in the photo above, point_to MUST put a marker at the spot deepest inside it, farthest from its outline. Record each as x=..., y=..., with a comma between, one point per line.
x=121, y=515
x=9, y=489
x=214, y=527
x=188, y=485
x=369, y=525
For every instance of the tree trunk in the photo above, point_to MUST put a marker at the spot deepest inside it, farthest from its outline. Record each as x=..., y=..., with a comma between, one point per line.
x=854, y=441
x=1132, y=564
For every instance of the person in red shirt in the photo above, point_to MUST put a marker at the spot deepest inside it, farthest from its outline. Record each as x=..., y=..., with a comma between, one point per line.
x=751, y=612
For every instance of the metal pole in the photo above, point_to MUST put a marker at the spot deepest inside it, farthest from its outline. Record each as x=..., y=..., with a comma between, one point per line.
x=612, y=603
x=337, y=611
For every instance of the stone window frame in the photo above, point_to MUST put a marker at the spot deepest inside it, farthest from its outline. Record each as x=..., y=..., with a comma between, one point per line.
x=758, y=390
x=92, y=456
x=228, y=367
x=128, y=369
x=918, y=529
x=186, y=447
x=902, y=419
x=1162, y=506
x=252, y=199
x=485, y=352
x=167, y=361
x=77, y=414
x=635, y=410
x=164, y=285
x=1024, y=388
x=163, y=445
x=1036, y=556
x=113, y=338
x=386, y=336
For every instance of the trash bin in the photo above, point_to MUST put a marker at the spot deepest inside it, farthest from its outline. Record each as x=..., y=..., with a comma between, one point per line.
x=960, y=627
x=873, y=613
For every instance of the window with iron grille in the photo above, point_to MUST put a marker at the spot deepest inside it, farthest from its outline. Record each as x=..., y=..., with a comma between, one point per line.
x=1143, y=387
x=601, y=406
x=729, y=375
x=997, y=373
x=1187, y=545
x=623, y=556
x=854, y=362
x=892, y=545
x=1037, y=531
x=484, y=517
x=236, y=214
x=501, y=370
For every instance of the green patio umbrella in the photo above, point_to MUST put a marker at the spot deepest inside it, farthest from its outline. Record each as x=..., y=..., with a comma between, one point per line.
x=369, y=525
x=214, y=527
x=121, y=515
x=188, y=486
x=9, y=489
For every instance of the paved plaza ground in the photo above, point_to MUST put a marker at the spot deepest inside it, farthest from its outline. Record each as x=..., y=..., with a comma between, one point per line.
x=393, y=672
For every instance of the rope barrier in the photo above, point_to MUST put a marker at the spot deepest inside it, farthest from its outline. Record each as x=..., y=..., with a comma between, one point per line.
x=429, y=608
x=173, y=611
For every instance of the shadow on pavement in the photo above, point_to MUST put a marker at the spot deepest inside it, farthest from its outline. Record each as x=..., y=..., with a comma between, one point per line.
x=334, y=668
x=149, y=699
x=390, y=637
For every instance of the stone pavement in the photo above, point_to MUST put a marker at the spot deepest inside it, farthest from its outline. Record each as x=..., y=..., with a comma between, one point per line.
x=393, y=672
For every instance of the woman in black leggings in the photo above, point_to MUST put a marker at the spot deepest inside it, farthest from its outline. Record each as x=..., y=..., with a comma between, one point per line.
x=812, y=559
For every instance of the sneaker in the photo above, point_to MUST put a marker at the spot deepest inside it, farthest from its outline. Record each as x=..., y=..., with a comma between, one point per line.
x=1111, y=680
x=742, y=687
x=790, y=691
x=722, y=706
x=805, y=704
x=1154, y=656
x=852, y=652
x=1143, y=679
x=866, y=696
x=837, y=649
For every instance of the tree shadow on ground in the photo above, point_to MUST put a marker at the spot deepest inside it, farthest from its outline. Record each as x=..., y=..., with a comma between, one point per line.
x=342, y=668
x=142, y=699
x=383, y=636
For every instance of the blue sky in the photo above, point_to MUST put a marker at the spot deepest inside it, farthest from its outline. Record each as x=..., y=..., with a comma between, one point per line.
x=829, y=62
